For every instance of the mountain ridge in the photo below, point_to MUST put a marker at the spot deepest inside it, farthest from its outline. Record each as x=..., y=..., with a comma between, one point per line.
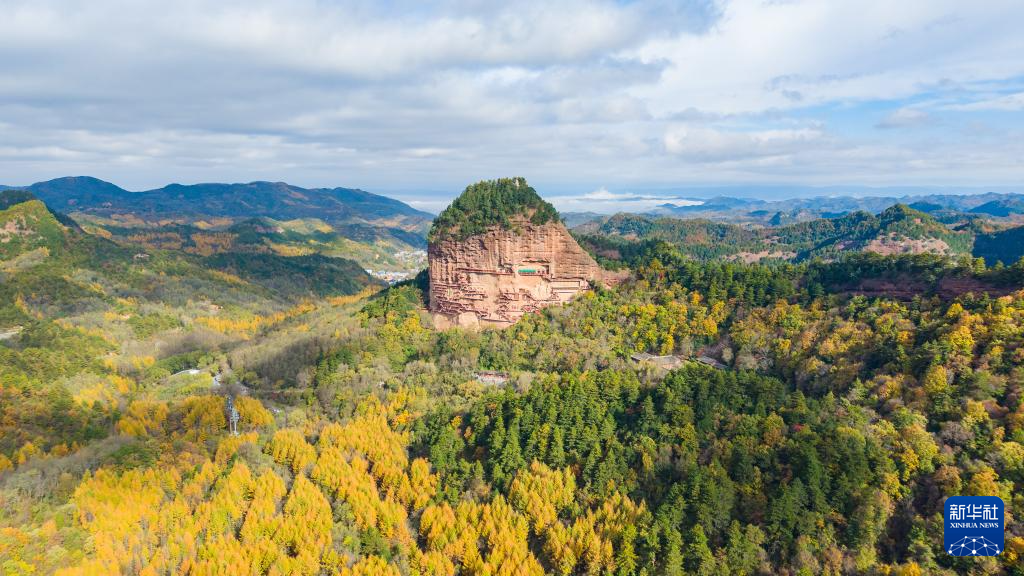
x=278, y=200
x=38, y=242
x=1000, y=204
x=897, y=229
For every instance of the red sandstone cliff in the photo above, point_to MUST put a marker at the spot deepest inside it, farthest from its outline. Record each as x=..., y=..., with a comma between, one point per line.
x=494, y=278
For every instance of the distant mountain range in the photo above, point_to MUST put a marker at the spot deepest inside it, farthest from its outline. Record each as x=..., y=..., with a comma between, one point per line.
x=898, y=229
x=380, y=233
x=188, y=203
x=39, y=248
x=384, y=234
x=775, y=212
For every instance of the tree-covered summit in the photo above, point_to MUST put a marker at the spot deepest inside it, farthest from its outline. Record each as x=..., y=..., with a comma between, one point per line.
x=489, y=203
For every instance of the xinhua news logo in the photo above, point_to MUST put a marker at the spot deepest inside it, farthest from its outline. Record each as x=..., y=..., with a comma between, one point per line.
x=974, y=526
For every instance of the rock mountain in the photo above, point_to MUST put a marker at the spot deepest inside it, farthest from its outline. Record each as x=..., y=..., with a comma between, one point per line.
x=498, y=252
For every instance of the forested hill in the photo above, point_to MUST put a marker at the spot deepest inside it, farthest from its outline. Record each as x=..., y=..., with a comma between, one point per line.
x=489, y=203
x=10, y=197
x=1005, y=245
x=26, y=224
x=177, y=202
x=897, y=230
x=47, y=257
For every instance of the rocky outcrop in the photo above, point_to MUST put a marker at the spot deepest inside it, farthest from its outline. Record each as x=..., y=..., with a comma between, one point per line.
x=494, y=278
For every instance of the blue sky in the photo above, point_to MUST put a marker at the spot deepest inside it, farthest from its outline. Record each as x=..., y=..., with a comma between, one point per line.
x=594, y=102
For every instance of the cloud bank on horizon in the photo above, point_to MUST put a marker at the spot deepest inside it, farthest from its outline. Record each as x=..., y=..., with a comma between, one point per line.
x=595, y=101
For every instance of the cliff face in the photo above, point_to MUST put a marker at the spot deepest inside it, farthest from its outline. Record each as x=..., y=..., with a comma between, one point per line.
x=494, y=278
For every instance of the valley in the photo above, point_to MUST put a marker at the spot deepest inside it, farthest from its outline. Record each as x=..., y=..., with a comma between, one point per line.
x=702, y=413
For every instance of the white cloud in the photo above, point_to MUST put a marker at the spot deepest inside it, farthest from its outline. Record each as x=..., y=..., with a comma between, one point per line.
x=334, y=38
x=1007, y=103
x=427, y=152
x=710, y=145
x=409, y=96
x=904, y=118
x=604, y=201
x=762, y=54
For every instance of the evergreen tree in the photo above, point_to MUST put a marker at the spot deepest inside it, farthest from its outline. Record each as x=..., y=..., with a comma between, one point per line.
x=699, y=558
